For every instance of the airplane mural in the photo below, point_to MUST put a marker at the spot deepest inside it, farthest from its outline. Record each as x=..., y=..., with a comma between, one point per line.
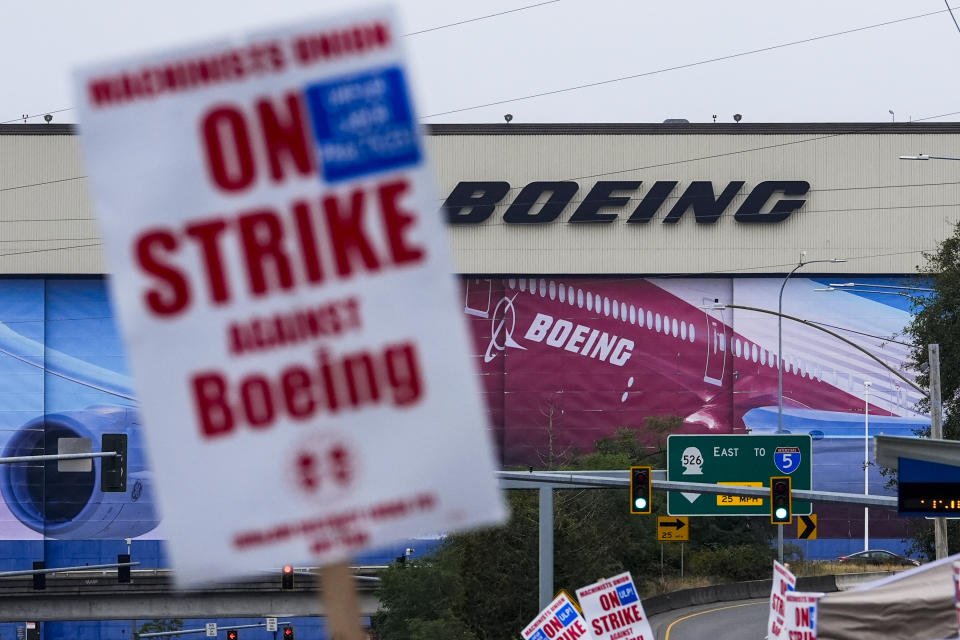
x=561, y=360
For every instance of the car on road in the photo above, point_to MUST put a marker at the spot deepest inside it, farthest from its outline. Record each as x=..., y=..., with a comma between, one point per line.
x=878, y=557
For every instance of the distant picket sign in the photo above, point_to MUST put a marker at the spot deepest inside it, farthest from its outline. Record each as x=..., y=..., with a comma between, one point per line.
x=613, y=609
x=956, y=590
x=800, y=615
x=560, y=620
x=783, y=582
x=280, y=269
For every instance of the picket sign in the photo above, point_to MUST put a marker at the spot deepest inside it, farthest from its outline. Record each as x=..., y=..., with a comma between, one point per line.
x=800, y=615
x=956, y=591
x=783, y=582
x=280, y=269
x=613, y=610
x=560, y=620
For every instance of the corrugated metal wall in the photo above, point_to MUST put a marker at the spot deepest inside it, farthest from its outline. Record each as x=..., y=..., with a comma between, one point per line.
x=46, y=224
x=865, y=205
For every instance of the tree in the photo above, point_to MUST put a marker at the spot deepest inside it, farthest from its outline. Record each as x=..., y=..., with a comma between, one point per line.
x=156, y=625
x=484, y=583
x=936, y=320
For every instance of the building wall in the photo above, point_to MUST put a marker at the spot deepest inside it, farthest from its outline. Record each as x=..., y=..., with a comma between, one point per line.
x=46, y=222
x=854, y=208
x=714, y=368
x=864, y=204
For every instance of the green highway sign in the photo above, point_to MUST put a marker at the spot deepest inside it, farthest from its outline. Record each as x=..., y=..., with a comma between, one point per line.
x=736, y=460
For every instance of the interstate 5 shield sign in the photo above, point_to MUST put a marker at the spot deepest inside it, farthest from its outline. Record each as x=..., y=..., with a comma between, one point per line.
x=280, y=271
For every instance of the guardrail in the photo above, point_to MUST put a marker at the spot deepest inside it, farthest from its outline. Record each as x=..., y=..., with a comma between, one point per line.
x=98, y=596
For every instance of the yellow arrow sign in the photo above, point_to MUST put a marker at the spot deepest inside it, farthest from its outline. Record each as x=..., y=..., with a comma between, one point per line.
x=807, y=529
x=673, y=528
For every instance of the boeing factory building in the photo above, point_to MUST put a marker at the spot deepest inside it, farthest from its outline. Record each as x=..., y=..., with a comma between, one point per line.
x=610, y=274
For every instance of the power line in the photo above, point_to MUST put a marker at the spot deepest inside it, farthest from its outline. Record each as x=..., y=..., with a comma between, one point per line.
x=725, y=154
x=595, y=175
x=770, y=266
x=406, y=35
x=78, y=246
x=951, y=14
x=37, y=115
x=87, y=219
x=468, y=20
x=47, y=239
x=40, y=184
x=689, y=64
x=862, y=333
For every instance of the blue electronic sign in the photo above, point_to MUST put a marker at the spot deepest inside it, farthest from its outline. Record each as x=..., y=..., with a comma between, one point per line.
x=928, y=489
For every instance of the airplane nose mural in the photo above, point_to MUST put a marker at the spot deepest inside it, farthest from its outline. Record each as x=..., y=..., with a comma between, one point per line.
x=69, y=504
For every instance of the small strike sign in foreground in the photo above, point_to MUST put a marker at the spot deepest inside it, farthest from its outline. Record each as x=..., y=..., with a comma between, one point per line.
x=673, y=528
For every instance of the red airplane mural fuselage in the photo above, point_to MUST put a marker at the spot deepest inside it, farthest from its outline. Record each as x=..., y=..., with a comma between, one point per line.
x=565, y=361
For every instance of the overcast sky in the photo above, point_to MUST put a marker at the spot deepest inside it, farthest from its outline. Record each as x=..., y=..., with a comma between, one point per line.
x=908, y=67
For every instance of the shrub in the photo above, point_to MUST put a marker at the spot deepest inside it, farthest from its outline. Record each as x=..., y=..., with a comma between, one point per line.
x=734, y=563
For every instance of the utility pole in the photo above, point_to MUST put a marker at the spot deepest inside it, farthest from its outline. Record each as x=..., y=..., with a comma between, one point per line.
x=546, y=546
x=936, y=432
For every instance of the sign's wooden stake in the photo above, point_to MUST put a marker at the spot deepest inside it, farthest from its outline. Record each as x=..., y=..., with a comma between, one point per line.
x=339, y=596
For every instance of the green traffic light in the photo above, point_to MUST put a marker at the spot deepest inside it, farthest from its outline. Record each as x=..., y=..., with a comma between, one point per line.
x=780, y=513
x=640, y=503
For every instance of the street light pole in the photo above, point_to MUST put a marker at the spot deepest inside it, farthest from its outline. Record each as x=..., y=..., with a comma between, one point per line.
x=924, y=156
x=783, y=285
x=866, y=462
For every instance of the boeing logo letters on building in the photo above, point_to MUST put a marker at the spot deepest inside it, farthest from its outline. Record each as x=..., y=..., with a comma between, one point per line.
x=474, y=202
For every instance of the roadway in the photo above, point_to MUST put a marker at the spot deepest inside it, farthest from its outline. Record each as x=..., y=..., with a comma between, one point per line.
x=738, y=620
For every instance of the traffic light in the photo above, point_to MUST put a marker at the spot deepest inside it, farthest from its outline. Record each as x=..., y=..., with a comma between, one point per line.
x=39, y=579
x=232, y=634
x=640, y=490
x=123, y=573
x=113, y=470
x=286, y=580
x=288, y=633
x=781, y=509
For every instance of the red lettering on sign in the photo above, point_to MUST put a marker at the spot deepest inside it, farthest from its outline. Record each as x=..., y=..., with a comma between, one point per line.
x=285, y=136
x=229, y=149
x=262, y=234
x=327, y=45
x=355, y=380
x=778, y=604
x=396, y=222
x=347, y=233
x=173, y=295
x=552, y=627
x=278, y=252
x=609, y=600
x=207, y=234
x=227, y=143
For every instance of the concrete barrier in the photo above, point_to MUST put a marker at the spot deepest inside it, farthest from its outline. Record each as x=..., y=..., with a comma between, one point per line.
x=849, y=580
x=751, y=590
